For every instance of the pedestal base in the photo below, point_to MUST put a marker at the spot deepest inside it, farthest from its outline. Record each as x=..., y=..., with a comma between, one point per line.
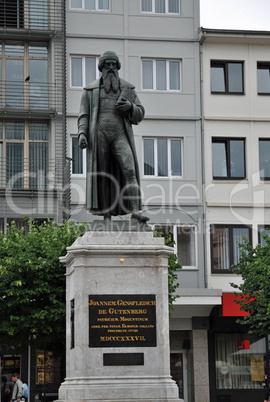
x=117, y=319
x=122, y=389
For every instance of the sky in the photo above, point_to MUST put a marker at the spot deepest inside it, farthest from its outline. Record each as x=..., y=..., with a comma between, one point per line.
x=235, y=14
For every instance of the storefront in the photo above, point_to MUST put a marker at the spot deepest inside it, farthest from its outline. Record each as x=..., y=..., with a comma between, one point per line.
x=238, y=361
x=43, y=371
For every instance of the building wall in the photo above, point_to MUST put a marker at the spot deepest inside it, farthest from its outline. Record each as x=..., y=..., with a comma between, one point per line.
x=244, y=116
x=134, y=35
x=232, y=202
x=38, y=185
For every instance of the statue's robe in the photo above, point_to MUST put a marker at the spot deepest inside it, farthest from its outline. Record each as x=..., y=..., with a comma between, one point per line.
x=87, y=124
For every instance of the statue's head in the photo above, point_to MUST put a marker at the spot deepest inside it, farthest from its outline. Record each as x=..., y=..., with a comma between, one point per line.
x=109, y=55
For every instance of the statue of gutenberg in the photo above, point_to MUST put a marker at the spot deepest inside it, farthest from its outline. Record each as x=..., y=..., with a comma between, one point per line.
x=109, y=106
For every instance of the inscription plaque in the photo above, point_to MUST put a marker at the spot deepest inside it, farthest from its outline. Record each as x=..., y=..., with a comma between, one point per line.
x=122, y=321
x=123, y=359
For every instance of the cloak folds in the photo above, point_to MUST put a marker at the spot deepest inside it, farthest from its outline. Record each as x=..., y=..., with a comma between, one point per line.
x=87, y=124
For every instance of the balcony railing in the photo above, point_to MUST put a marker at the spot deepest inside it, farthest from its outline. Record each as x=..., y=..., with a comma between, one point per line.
x=32, y=174
x=29, y=96
x=32, y=14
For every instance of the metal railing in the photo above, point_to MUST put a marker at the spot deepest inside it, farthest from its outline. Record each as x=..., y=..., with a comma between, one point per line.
x=31, y=174
x=29, y=96
x=31, y=14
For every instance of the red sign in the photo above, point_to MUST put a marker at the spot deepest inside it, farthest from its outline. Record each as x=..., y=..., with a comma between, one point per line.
x=229, y=307
x=243, y=345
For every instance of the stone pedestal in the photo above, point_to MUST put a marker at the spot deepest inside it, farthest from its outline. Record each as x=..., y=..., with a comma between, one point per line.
x=117, y=319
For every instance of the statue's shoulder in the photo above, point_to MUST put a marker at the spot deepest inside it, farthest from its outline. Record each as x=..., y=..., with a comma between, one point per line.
x=93, y=85
x=124, y=83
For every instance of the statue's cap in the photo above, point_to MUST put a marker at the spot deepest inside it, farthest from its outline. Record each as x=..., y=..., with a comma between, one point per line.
x=108, y=55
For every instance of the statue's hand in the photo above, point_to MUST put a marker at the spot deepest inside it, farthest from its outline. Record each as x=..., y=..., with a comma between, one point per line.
x=82, y=141
x=124, y=105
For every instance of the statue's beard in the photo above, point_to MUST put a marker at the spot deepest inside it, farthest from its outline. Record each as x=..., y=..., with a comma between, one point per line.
x=110, y=80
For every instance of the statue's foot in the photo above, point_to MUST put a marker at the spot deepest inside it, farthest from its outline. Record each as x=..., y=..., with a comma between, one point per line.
x=139, y=217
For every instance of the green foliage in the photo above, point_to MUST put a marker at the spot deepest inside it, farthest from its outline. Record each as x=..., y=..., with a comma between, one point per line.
x=173, y=266
x=32, y=282
x=254, y=268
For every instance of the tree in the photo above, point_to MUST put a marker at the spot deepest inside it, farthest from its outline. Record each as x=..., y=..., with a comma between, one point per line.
x=32, y=283
x=173, y=267
x=254, y=268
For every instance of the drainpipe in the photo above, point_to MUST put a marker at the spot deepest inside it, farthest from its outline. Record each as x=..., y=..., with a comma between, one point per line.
x=202, y=39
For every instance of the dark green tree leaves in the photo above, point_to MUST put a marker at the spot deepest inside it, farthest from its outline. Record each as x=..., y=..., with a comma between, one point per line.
x=254, y=268
x=32, y=282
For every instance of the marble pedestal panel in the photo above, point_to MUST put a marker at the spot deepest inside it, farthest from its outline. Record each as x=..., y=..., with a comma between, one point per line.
x=125, y=266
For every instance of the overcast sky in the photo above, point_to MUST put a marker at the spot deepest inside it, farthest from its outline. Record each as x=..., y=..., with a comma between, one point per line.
x=236, y=14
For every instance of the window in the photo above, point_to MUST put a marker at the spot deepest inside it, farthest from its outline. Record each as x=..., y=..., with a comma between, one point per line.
x=12, y=13
x=228, y=158
x=263, y=78
x=225, y=240
x=160, y=6
x=78, y=157
x=45, y=367
x=38, y=14
x=240, y=361
x=2, y=225
x=263, y=230
x=84, y=70
x=19, y=223
x=22, y=14
x=185, y=243
x=264, y=155
x=227, y=77
x=93, y=5
x=162, y=157
x=10, y=365
x=24, y=147
x=161, y=75
x=24, y=71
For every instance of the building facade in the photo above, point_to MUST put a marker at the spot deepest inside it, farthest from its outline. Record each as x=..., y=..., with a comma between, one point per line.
x=33, y=168
x=203, y=150
x=158, y=47
x=236, y=127
x=34, y=171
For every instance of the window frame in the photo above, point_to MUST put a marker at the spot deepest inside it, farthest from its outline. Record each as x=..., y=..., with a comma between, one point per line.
x=77, y=175
x=26, y=160
x=259, y=230
x=155, y=175
x=97, y=9
x=83, y=71
x=167, y=12
x=224, y=64
x=154, y=71
x=263, y=65
x=173, y=228
x=26, y=95
x=263, y=178
x=231, y=255
x=175, y=233
x=227, y=141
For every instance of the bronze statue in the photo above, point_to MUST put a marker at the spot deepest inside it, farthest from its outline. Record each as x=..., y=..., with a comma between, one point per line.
x=109, y=106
